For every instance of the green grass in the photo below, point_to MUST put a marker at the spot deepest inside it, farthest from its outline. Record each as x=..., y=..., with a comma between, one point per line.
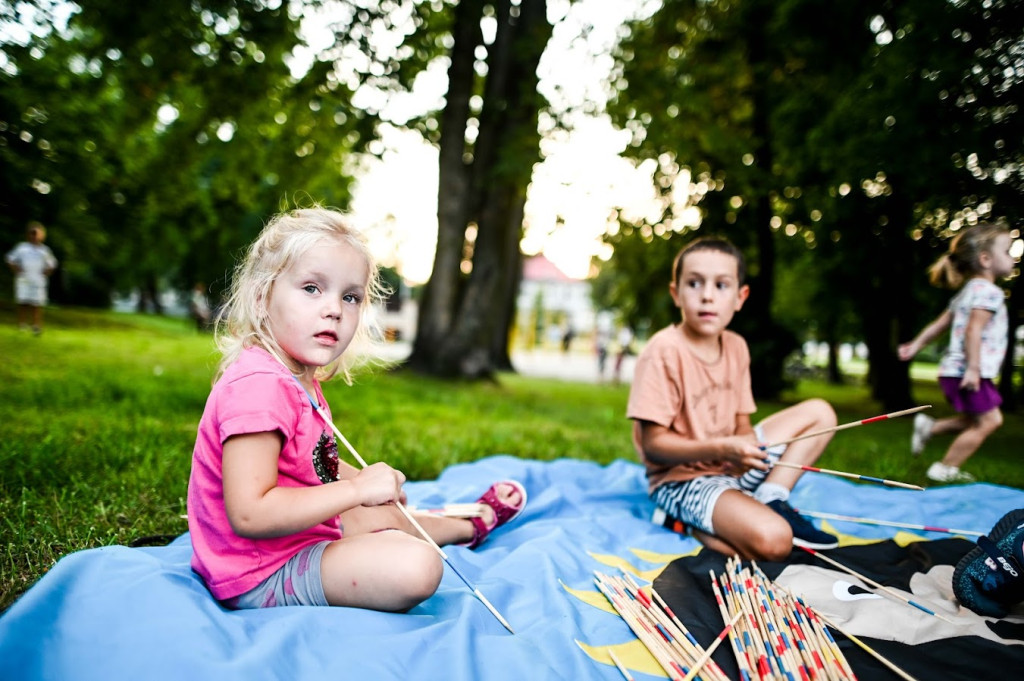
x=99, y=417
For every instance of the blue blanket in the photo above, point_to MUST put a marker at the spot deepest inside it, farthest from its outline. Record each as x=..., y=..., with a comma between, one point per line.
x=140, y=613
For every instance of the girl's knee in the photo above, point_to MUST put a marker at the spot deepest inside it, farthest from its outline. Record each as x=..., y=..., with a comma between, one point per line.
x=420, y=574
x=990, y=420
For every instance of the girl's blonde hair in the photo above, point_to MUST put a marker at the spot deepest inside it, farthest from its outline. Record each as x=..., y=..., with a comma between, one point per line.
x=963, y=259
x=244, y=321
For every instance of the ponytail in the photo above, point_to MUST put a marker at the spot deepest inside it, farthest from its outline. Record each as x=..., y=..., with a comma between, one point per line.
x=963, y=259
x=944, y=274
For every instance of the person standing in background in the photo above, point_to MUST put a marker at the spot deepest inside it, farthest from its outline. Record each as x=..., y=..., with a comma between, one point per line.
x=32, y=262
x=199, y=307
x=625, y=340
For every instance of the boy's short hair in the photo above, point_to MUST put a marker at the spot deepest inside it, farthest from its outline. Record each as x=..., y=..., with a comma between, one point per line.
x=35, y=226
x=711, y=243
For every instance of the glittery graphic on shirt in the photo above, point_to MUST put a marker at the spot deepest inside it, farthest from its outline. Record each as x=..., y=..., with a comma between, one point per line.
x=325, y=459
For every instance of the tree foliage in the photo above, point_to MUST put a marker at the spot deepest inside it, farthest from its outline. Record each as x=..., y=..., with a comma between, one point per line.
x=172, y=130
x=155, y=139
x=867, y=133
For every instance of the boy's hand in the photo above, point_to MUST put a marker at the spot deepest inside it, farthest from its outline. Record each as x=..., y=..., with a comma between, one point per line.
x=379, y=484
x=743, y=453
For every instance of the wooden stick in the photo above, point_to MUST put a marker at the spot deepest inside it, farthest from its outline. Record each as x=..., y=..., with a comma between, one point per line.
x=875, y=584
x=410, y=518
x=643, y=632
x=828, y=644
x=805, y=641
x=753, y=640
x=738, y=649
x=693, y=643
x=669, y=627
x=711, y=648
x=673, y=630
x=769, y=663
x=843, y=474
x=868, y=649
x=622, y=668
x=889, y=523
x=852, y=424
x=678, y=637
x=453, y=510
x=773, y=616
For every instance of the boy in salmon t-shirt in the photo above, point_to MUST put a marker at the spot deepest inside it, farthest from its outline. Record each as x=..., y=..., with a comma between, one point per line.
x=691, y=403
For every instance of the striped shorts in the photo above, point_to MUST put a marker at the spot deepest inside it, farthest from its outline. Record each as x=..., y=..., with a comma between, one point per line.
x=297, y=582
x=693, y=501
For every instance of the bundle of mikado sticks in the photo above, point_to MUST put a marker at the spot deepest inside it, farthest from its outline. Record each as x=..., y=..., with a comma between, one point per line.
x=778, y=636
x=658, y=628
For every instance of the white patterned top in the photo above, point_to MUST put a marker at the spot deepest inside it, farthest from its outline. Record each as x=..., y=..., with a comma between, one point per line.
x=983, y=295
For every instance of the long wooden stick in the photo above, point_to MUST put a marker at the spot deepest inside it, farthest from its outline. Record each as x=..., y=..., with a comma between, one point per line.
x=840, y=665
x=844, y=474
x=695, y=669
x=453, y=510
x=868, y=649
x=738, y=649
x=410, y=518
x=875, y=584
x=852, y=424
x=654, y=643
x=618, y=663
x=888, y=523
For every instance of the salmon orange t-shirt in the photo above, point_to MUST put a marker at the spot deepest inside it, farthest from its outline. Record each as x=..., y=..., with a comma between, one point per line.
x=673, y=388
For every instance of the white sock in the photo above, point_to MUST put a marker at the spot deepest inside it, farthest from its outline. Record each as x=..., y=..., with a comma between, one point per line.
x=770, y=491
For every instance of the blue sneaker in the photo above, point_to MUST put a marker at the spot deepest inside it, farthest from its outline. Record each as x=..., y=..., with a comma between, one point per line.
x=804, y=533
x=990, y=579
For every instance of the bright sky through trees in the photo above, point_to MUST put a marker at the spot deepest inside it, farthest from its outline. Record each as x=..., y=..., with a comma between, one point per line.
x=576, y=189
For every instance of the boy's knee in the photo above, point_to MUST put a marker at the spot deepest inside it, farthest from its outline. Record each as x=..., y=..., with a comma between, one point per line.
x=823, y=411
x=772, y=542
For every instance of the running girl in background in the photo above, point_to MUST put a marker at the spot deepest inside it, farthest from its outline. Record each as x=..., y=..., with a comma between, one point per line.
x=275, y=517
x=977, y=321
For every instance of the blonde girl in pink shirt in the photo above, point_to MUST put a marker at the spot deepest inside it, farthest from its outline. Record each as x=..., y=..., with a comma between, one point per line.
x=275, y=516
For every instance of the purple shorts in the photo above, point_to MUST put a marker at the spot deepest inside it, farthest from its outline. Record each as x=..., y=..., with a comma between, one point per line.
x=985, y=398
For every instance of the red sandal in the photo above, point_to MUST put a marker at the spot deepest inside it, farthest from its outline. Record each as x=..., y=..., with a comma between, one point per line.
x=502, y=511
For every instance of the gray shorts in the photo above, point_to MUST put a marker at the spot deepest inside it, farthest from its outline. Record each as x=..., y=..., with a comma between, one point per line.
x=693, y=501
x=297, y=582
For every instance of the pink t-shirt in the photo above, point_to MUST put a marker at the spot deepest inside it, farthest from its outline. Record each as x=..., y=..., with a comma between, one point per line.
x=256, y=394
x=673, y=388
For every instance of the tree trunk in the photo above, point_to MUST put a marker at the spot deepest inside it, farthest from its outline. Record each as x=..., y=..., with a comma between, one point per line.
x=465, y=334
x=508, y=292
x=834, y=373
x=769, y=342
x=889, y=272
x=440, y=296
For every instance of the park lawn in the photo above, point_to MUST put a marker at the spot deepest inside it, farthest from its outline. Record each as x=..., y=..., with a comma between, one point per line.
x=100, y=415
